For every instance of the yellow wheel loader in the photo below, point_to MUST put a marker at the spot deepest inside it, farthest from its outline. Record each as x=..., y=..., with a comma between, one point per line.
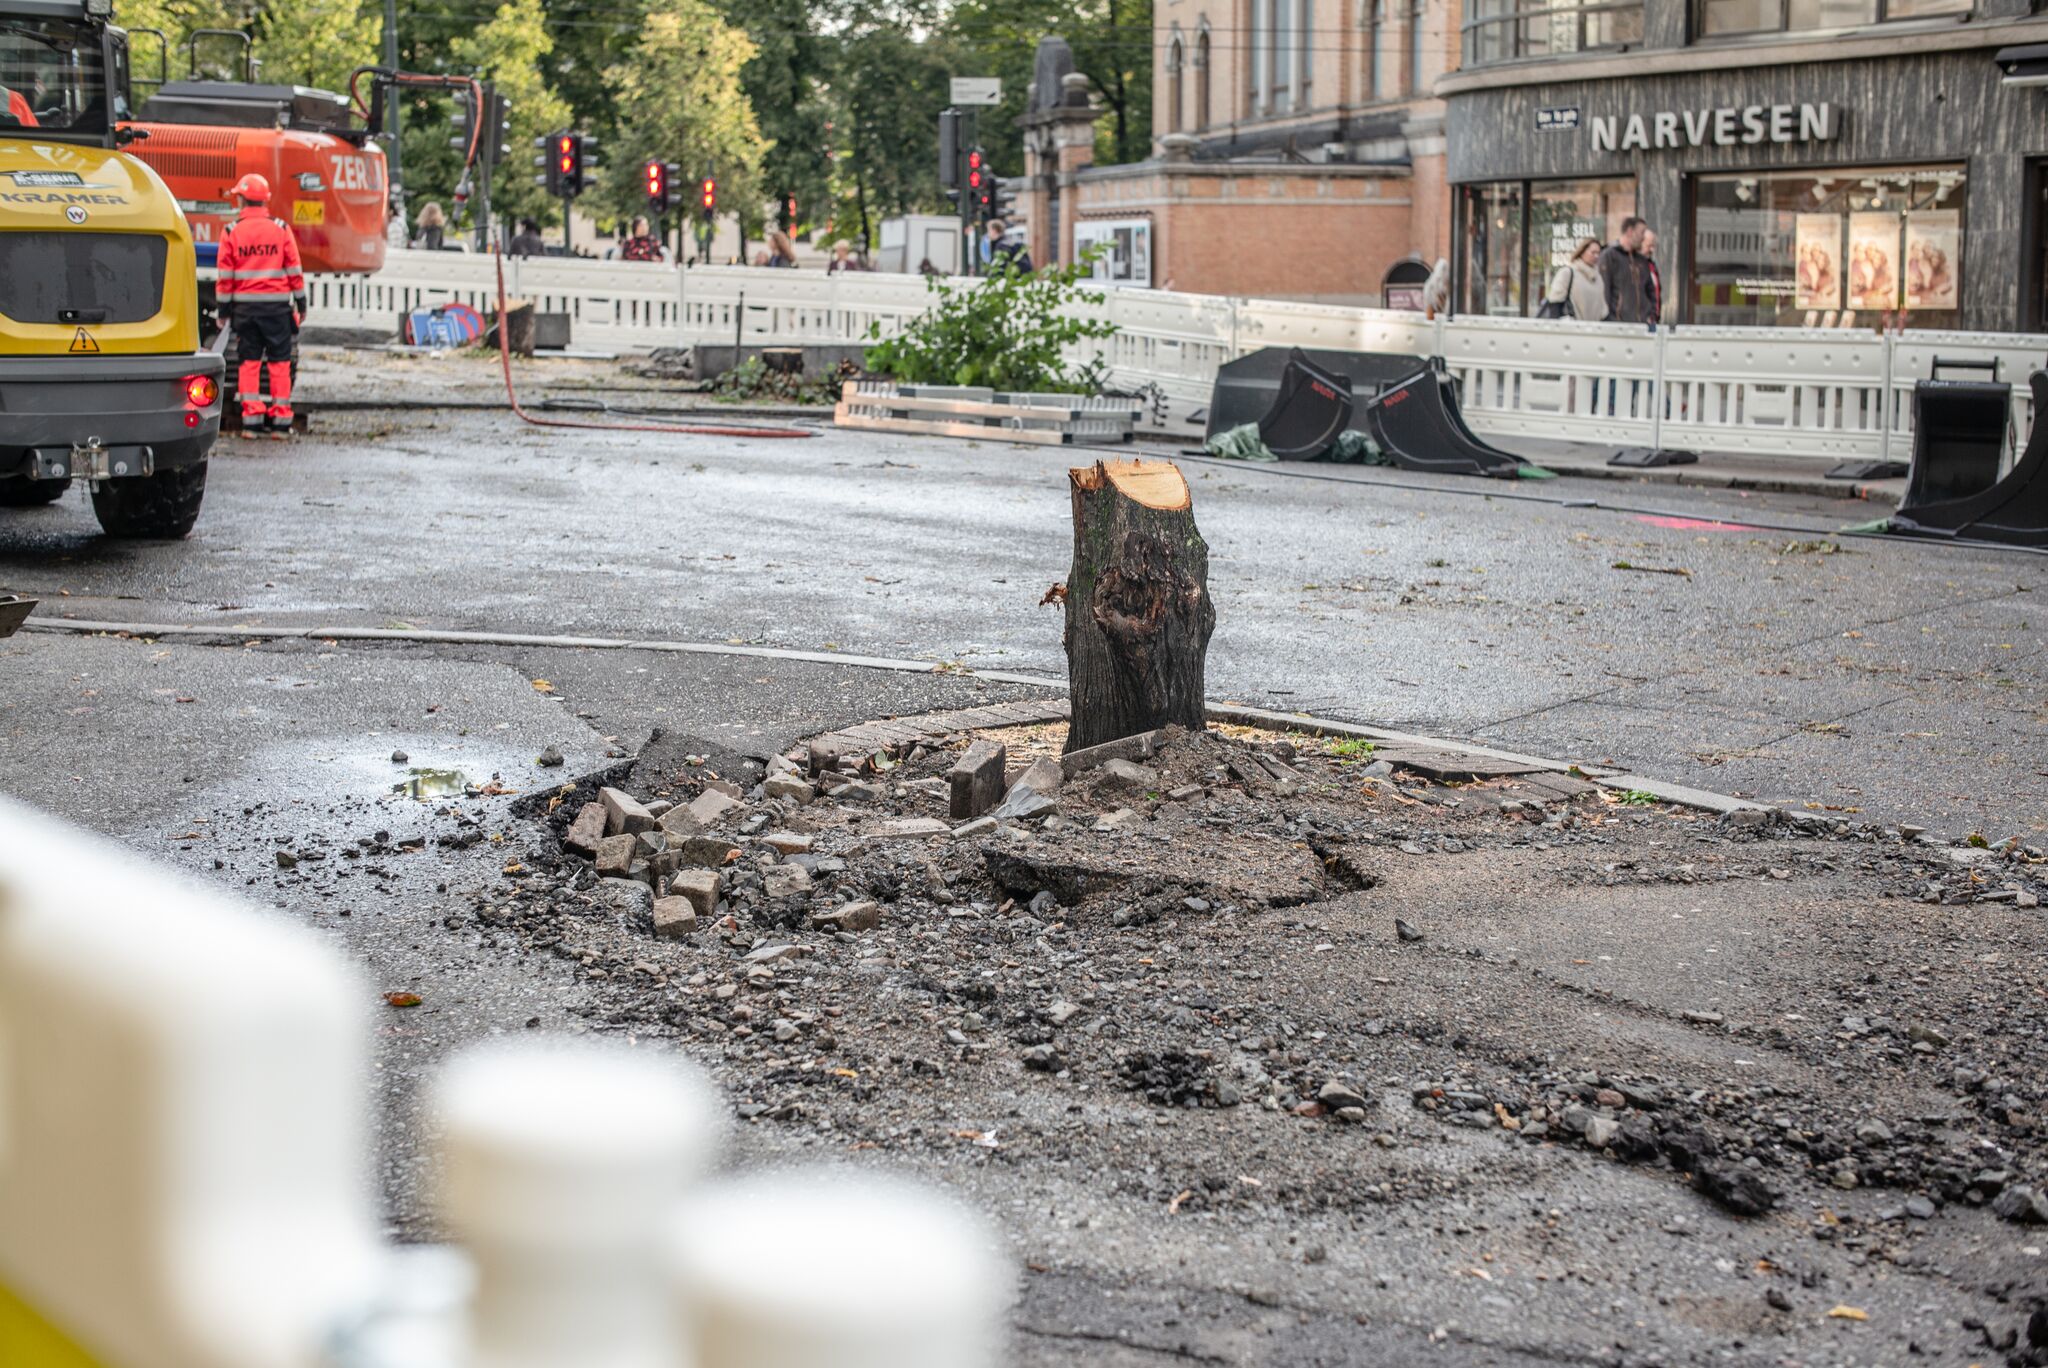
x=102, y=378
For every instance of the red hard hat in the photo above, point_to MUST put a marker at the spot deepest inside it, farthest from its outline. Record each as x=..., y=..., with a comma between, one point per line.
x=252, y=188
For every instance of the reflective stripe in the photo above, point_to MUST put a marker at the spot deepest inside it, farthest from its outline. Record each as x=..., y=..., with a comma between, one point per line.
x=278, y=274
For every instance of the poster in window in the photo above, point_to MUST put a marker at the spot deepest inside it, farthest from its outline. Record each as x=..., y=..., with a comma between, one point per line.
x=1126, y=245
x=1818, y=246
x=1873, y=261
x=1934, y=257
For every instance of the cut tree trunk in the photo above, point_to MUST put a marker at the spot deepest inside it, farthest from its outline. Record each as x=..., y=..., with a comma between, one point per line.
x=1138, y=608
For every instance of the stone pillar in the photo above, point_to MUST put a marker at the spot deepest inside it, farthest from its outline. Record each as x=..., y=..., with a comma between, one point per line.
x=1073, y=136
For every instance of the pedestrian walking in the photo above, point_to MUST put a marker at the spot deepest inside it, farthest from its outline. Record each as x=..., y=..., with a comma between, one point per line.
x=262, y=294
x=394, y=226
x=641, y=244
x=1627, y=277
x=781, y=251
x=433, y=228
x=1656, y=275
x=1576, y=289
x=527, y=242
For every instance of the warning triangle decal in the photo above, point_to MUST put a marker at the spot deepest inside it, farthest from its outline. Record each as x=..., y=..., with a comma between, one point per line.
x=83, y=342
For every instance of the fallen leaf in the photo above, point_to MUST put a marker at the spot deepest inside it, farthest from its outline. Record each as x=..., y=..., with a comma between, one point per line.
x=402, y=999
x=1056, y=594
x=542, y=686
x=1173, y=1207
x=1855, y=1313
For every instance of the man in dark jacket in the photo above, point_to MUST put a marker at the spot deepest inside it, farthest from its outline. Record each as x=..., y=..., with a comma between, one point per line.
x=1631, y=284
x=527, y=242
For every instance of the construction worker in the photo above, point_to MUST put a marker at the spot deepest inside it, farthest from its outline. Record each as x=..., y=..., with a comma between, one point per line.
x=263, y=297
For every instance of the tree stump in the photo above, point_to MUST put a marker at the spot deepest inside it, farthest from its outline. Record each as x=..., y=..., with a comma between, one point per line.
x=1138, y=609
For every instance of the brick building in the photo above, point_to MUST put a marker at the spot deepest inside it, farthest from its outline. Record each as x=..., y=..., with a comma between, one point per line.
x=1298, y=152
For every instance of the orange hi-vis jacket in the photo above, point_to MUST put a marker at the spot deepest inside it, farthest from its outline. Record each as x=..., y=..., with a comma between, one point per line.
x=259, y=261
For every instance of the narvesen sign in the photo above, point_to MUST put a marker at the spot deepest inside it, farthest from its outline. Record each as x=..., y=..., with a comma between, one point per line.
x=1783, y=123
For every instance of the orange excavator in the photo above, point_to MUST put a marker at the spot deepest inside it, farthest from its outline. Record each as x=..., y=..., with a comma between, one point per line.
x=327, y=175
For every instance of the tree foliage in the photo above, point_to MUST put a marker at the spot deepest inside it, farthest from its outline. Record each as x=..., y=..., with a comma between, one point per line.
x=315, y=42
x=508, y=52
x=680, y=84
x=1013, y=331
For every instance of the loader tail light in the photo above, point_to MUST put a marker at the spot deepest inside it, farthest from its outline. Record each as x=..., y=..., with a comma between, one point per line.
x=201, y=390
x=192, y=418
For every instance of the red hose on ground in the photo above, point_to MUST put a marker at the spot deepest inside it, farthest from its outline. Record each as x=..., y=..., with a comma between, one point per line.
x=505, y=361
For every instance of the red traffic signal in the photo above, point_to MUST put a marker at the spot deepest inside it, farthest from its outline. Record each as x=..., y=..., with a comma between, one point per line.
x=657, y=182
x=708, y=194
x=565, y=153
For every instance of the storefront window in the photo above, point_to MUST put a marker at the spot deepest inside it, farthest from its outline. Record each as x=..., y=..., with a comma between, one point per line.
x=1720, y=17
x=1517, y=233
x=1820, y=249
x=1504, y=30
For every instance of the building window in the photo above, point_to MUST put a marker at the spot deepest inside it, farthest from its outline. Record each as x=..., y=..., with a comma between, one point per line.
x=1305, y=62
x=1174, y=62
x=1720, y=18
x=1823, y=248
x=1280, y=50
x=1255, y=11
x=1375, y=21
x=1517, y=233
x=1202, y=79
x=1418, y=37
x=1509, y=30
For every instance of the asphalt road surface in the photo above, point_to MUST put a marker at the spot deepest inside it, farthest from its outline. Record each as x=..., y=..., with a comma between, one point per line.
x=1901, y=681
x=1904, y=681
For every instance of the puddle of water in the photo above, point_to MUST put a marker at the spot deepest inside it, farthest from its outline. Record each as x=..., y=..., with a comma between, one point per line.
x=432, y=783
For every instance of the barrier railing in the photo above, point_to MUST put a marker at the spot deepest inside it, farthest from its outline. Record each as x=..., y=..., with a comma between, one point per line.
x=1797, y=393
x=186, y=1151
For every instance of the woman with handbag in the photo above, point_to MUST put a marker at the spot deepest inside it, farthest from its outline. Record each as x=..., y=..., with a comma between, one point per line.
x=1576, y=290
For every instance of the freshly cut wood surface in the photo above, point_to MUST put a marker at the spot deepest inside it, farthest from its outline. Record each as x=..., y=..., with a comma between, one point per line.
x=1155, y=484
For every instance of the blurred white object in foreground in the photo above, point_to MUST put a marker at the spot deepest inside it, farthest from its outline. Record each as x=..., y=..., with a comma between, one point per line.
x=561, y=1163
x=184, y=1149
x=183, y=1154
x=835, y=1266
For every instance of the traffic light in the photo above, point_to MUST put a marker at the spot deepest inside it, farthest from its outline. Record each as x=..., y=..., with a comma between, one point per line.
x=497, y=128
x=569, y=161
x=949, y=153
x=658, y=178
x=1001, y=199
x=979, y=185
x=707, y=198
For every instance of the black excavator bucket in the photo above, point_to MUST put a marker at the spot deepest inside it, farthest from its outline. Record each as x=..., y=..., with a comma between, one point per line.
x=1246, y=388
x=2013, y=510
x=1419, y=426
x=1312, y=407
x=13, y=612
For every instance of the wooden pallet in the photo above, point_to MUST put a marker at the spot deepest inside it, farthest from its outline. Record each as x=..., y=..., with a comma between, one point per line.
x=963, y=411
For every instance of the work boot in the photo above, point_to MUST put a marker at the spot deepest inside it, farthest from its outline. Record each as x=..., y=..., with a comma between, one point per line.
x=249, y=389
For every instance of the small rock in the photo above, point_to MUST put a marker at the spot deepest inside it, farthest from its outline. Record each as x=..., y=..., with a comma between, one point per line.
x=911, y=828
x=1023, y=803
x=1184, y=792
x=1927, y=1035
x=700, y=887
x=1600, y=1131
x=1335, y=1095
x=1042, y=1059
x=623, y=813
x=1123, y=819
x=2023, y=1205
x=1874, y=1132
x=788, y=786
x=614, y=856
x=1747, y=818
x=1736, y=1189
x=784, y=1030
x=708, y=852
x=1920, y=1208
x=1062, y=1012
x=853, y=916
x=287, y=860
x=974, y=828
x=627, y=896
x=399, y=757
x=1704, y=1018
x=674, y=917
x=550, y=758
x=708, y=806
x=587, y=830
x=785, y=880
x=785, y=842
x=975, y=782
x=775, y=954
x=1127, y=774
x=1777, y=1300
x=1405, y=931
x=1042, y=774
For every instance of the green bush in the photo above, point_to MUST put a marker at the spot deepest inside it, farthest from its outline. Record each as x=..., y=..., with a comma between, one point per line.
x=1008, y=333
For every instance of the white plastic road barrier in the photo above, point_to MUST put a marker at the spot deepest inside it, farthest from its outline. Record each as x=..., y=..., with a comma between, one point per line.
x=184, y=1160
x=1800, y=393
x=560, y=1167
x=836, y=1266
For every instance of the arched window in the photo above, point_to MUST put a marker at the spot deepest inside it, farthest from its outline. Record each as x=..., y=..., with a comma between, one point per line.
x=1202, y=77
x=1175, y=60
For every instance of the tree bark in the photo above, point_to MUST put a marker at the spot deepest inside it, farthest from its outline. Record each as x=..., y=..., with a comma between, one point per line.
x=1138, y=609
